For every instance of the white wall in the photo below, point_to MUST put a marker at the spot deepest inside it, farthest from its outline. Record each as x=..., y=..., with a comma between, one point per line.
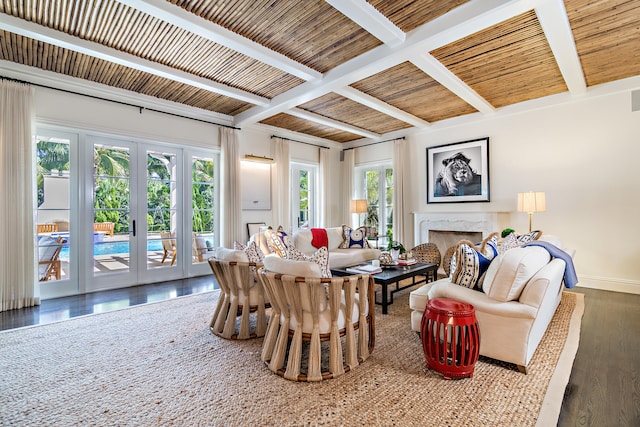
x=583, y=154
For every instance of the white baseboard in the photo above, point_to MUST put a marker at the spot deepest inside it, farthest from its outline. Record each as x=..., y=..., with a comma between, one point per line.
x=609, y=284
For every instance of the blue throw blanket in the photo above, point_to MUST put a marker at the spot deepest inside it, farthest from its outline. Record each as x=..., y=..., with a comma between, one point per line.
x=570, y=276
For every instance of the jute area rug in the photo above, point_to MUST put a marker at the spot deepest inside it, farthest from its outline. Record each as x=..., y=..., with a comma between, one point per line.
x=158, y=364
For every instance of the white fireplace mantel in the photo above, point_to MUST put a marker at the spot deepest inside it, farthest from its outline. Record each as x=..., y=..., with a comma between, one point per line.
x=423, y=222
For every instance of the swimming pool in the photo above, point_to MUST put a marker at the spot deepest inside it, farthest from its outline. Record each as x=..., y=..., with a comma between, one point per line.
x=111, y=248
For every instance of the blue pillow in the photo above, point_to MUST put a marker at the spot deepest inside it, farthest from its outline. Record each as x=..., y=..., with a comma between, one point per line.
x=354, y=238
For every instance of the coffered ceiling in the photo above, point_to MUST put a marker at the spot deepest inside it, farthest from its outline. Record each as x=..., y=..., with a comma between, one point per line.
x=335, y=69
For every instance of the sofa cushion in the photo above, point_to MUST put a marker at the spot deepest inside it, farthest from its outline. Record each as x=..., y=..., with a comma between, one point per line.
x=470, y=264
x=354, y=238
x=320, y=257
x=515, y=241
x=225, y=254
x=302, y=240
x=509, y=272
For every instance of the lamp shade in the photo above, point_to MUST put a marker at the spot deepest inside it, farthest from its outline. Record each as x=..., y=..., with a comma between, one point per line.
x=359, y=206
x=532, y=201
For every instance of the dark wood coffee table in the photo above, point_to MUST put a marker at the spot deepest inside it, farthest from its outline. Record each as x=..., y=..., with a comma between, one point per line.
x=396, y=274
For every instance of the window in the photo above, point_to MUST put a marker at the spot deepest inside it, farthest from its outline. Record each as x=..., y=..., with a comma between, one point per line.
x=303, y=181
x=375, y=183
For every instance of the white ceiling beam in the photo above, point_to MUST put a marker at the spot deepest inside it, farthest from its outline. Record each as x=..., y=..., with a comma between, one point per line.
x=460, y=22
x=179, y=17
x=368, y=17
x=383, y=107
x=555, y=24
x=316, y=118
x=57, y=38
x=434, y=68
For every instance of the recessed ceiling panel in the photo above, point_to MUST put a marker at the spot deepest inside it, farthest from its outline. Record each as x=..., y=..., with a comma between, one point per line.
x=120, y=27
x=310, y=31
x=409, y=14
x=607, y=36
x=405, y=86
x=296, y=124
x=508, y=63
x=41, y=55
x=345, y=110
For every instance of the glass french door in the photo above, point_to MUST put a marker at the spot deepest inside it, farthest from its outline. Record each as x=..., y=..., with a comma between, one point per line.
x=136, y=232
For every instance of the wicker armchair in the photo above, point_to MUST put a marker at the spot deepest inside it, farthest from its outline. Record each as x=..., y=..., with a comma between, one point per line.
x=241, y=295
x=313, y=310
x=446, y=259
x=428, y=252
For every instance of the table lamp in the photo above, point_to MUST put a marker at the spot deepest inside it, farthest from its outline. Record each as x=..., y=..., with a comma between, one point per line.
x=359, y=206
x=530, y=202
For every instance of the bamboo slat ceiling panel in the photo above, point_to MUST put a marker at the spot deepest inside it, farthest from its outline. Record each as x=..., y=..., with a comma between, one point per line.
x=607, y=36
x=345, y=110
x=409, y=14
x=26, y=51
x=508, y=63
x=120, y=27
x=296, y=124
x=407, y=87
x=308, y=31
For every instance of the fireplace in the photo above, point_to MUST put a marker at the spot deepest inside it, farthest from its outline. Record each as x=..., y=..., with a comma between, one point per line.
x=446, y=228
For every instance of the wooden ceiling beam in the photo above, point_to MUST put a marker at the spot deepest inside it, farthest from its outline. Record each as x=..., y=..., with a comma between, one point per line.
x=434, y=68
x=552, y=16
x=58, y=38
x=375, y=23
x=179, y=17
x=381, y=106
x=317, y=118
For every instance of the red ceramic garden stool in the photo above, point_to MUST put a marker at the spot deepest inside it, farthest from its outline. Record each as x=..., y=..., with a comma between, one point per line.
x=450, y=337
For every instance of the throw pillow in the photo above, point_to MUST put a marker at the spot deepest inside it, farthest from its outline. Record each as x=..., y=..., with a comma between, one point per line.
x=354, y=238
x=514, y=241
x=470, y=265
x=254, y=253
x=320, y=257
x=278, y=241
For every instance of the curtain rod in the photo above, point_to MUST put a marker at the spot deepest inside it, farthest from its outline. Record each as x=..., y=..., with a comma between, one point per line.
x=373, y=143
x=301, y=142
x=118, y=102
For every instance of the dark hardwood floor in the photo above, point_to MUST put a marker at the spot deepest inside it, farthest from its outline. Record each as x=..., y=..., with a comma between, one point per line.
x=53, y=310
x=603, y=390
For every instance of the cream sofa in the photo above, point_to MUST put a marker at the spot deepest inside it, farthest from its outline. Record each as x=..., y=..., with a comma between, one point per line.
x=337, y=257
x=520, y=293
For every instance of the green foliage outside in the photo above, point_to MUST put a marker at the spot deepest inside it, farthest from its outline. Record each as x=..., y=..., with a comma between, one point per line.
x=112, y=192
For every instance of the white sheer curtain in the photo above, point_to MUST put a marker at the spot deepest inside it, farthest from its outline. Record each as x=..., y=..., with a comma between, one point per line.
x=282, y=202
x=399, y=179
x=231, y=197
x=348, y=164
x=17, y=252
x=323, y=187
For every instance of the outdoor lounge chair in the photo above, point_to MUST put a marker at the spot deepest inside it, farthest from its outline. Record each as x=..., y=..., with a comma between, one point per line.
x=49, y=257
x=169, y=247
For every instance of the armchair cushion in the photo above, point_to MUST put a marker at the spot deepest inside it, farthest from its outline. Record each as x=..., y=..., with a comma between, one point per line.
x=225, y=254
x=509, y=273
x=274, y=263
x=253, y=251
x=320, y=257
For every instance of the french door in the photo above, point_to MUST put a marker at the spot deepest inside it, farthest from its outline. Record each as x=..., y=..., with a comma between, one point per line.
x=135, y=200
x=113, y=213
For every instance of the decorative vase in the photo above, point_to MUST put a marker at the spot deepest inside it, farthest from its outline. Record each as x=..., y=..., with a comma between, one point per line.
x=395, y=253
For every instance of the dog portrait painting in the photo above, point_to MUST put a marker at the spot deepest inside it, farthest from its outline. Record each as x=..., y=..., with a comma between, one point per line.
x=458, y=172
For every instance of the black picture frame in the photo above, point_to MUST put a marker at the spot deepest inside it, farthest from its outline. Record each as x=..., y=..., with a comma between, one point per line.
x=458, y=172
